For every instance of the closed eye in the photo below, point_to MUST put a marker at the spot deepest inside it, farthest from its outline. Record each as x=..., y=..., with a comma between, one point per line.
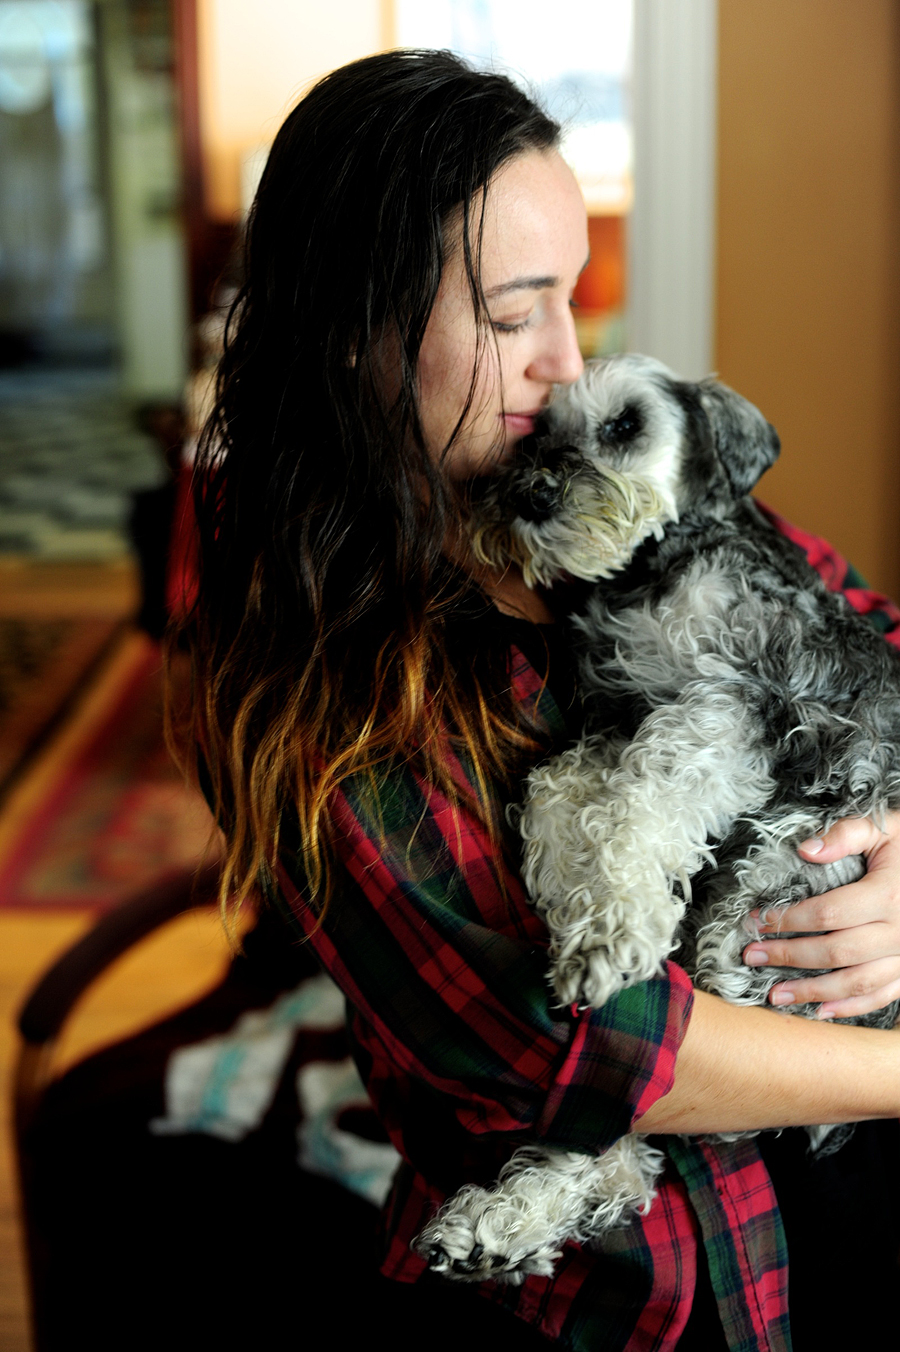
x=510, y=326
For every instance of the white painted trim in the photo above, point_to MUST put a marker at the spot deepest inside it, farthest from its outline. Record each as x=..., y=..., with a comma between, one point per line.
x=672, y=232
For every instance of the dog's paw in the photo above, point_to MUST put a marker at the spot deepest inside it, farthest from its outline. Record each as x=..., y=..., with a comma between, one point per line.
x=542, y=1199
x=585, y=977
x=451, y=1248
x=596, y=950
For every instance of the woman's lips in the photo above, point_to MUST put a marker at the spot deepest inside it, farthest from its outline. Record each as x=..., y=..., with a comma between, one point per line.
x=520, y=424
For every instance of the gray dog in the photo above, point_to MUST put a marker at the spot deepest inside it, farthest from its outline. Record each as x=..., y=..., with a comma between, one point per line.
x=734, y=707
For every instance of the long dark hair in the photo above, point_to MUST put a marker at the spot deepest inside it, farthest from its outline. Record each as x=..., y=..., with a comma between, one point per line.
x=322, y=638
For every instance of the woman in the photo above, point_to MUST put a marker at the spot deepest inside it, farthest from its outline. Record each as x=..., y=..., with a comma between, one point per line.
x=369, y=699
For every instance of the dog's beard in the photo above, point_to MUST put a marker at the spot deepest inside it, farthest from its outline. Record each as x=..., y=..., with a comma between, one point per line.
x=602, y=518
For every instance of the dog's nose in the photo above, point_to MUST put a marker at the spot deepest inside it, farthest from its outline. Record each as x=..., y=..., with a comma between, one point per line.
x=540, y=497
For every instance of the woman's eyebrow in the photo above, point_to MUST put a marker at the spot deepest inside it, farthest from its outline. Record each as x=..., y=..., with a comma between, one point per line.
x=526, y=284
x=521, y=284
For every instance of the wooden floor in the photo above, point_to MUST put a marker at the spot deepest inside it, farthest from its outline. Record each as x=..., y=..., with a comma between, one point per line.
x=32, y=590
x=170, y=969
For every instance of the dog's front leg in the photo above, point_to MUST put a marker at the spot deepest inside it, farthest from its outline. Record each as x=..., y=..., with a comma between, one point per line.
x=542, y=1198
x=610, y=832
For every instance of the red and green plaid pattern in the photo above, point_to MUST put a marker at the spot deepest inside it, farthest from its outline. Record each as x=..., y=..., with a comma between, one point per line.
x=839, y=575
x=465, y=1058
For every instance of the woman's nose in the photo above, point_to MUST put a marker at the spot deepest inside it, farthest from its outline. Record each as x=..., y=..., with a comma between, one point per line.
x=559, y=360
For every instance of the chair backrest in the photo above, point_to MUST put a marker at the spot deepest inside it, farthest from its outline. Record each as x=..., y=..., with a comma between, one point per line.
x=52, y=999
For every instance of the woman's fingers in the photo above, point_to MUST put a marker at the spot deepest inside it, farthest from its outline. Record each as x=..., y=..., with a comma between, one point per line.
x=860, y=903
x=851, y=935
x=837, y=948
x=852, y=835
x=844, y=994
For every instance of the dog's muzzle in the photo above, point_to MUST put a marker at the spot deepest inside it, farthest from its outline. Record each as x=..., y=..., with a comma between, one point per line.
x=543, y=491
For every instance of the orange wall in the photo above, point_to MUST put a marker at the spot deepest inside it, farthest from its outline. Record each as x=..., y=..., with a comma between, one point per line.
x=808, y=277
x=255, y=61
x=602, y=284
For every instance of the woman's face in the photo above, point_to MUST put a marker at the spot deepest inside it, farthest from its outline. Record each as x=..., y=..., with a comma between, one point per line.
x=534, y=246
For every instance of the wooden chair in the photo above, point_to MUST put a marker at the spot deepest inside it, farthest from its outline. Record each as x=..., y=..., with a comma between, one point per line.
x=45, y=1012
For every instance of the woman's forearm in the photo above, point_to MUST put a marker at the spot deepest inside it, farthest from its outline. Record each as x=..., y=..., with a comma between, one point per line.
x=741, y=1069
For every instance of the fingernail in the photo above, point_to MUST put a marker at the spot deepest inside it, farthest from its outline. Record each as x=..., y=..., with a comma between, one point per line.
x=823, y=1012
x=813, y=846
x=781, y=997
x=756, y=957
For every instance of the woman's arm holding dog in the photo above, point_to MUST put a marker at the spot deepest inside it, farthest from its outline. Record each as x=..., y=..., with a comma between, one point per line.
x=854, y=930
x=741, y=1068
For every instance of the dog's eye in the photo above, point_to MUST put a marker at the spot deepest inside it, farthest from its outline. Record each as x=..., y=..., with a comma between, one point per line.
x=619, y=431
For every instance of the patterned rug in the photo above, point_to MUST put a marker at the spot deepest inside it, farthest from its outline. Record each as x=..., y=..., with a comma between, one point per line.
x=103, y=811
x=73, y=457
x=43, y=664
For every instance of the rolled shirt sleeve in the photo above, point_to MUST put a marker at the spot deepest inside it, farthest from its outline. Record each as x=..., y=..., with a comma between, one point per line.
x=444, y=965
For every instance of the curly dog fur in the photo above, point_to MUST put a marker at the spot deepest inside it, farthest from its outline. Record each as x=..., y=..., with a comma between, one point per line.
x=734, y=707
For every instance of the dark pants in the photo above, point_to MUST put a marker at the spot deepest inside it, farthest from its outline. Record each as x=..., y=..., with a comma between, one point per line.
x=842, y=1219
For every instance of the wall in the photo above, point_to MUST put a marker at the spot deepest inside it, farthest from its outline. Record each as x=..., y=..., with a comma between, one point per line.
x=808, y=280
x=256, y=60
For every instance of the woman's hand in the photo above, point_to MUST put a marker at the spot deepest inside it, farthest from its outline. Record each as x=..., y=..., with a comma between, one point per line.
x=860, y=924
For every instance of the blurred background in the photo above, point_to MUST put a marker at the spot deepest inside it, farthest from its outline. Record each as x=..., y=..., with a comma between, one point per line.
x=741, y=165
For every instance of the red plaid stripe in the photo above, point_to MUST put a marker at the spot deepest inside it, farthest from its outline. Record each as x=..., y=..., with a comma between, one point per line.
x=839, y=575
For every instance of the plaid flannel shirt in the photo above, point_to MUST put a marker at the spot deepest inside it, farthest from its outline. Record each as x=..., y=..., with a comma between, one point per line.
x=444, y=969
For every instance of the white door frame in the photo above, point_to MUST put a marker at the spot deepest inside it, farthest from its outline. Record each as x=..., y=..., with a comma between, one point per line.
x=672, y=234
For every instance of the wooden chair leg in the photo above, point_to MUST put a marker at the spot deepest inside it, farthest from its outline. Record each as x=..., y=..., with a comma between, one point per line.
x=33, y=1073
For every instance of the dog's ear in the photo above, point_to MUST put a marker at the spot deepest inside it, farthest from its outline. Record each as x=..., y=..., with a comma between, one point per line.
x=745, y=443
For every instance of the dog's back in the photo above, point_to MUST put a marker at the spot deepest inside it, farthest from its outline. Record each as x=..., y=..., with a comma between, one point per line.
x=727, y=604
